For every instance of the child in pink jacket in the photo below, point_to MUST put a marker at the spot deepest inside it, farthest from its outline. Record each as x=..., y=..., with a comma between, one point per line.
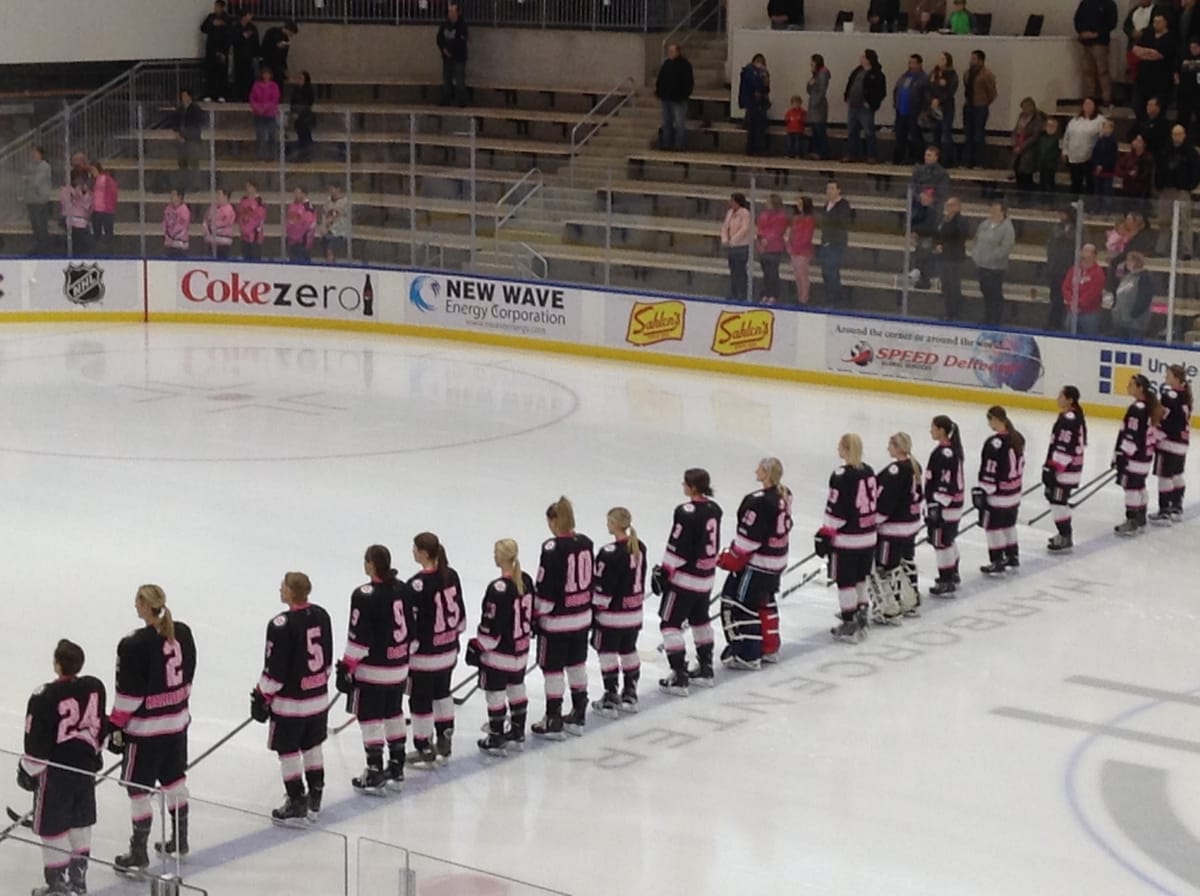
x=177, y=226
x=251, y=215
x=75, y=202
x=104, y=207
x=264, y=103
x=220, y=225
x=301, y=227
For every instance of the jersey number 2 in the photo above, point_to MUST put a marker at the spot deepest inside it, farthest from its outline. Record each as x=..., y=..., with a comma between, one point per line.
x=174, y=658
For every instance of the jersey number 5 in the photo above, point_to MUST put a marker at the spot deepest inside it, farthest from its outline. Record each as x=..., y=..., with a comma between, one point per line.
x=72, y=726
x=316, y=653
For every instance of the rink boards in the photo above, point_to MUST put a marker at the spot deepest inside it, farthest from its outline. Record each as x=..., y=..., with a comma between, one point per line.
x=1015, y=368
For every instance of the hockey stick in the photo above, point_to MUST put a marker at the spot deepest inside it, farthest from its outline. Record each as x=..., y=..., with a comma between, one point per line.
x=26, y=820
x=792, y=589
x=1097, y=485
x=799, y=563
x=975, y=525
x=342, y=727
x=228, y=737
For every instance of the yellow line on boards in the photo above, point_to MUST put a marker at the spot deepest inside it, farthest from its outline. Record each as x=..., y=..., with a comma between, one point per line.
x=55, y=317
x=932, y=391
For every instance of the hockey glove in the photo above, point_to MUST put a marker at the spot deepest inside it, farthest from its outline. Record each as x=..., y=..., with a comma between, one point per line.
x=933, y=518
x=658, y=580
x=1120, y=459
x=979, y=499
x=474, y=653
x=1049, y=477
x=343, y=677
x=25, y=780
x=259, y=710
x=823, y=543
x=731, y=560
x=116, y=741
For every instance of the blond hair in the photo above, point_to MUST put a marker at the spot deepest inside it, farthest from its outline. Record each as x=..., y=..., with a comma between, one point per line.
x=156, y=599
x=563, y=515
x=773, y=467
x=506, y=552
x=623, y=520
x=902, y=442
x=300, y=584
x=851, y=446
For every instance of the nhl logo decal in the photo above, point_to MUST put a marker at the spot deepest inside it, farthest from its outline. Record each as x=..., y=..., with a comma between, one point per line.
x=83, y=284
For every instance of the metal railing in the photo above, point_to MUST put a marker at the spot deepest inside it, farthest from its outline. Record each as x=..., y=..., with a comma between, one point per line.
x=529, y=186
x=593, y=15
x=527, y=261
x=597, y=116
x=692, y=25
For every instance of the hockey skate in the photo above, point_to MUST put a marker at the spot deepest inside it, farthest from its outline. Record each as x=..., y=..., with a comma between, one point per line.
x=608, y=706
x=423, y=757
x=1012, y=560
x=1059, y=544
x=395, y=776
x=629, y=702
x=1128, y=529
x=1162, y=518
x=848, y=631
x=445, y=745
x=134, y=862
x=77, y=876
x=292, y=814
x=737, y=664
x=178, y=844
x=574, y=721
x=1177, y=515
x=551, y=728
x=994, y=569
x=56, y=883
x=492, y=745
x=372, y=782
x=514, y=739
x=944, y=588
x=701, y=676
x=675, y=684
x=314, y=802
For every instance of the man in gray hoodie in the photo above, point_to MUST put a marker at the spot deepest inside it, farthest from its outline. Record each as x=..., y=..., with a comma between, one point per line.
x=36, y=196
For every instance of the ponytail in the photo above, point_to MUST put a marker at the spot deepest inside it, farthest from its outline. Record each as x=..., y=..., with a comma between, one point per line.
x=429, y=545
x=443, y=564
x=1072, y=393
x=563, y=514
x=995, y=412
x=1154, y=407
x=156, y=599
x=697, y=478
x=623, y=520
x=950, y=428
x=506, y=551
x=380, y=559
x=1185, y=388
x=774, y=470
x=903, y=443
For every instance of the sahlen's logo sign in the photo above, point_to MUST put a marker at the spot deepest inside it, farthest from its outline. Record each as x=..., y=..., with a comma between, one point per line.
x=653, y=322
x=83, y=284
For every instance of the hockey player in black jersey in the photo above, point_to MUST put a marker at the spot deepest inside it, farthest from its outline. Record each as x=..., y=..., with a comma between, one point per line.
x=898, y=520
x=149, y=723
x=293, y=694
x=1170, y=452
x=500, y=648
x=755, y=561
x=562, y=617
x=685, y=580
x=944, y=496
x=997, y=497
x=439, y=618
x=1134, y=454
x=620, y=574
x=64, y=723
x=1064, y=465
x=847, y=536
x=374, y=670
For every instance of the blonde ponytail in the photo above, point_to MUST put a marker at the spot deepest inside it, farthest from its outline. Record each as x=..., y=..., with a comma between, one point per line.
x=623, y=520
x=902, y=441
x=773, y=467
x=506, y=552
x=156, y=599
x=563, y=515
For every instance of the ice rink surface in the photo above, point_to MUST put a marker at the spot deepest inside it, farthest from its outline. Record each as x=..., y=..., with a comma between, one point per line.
x=1034, y=736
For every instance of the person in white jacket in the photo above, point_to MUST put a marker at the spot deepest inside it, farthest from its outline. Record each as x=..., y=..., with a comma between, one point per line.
x=1080, y=138
x=994, y=241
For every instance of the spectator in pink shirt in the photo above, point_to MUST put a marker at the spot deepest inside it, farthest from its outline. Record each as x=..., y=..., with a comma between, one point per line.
x=301, y=227
x=800, y=246
x=104, y=207
x=772, y=246
x=264, y=103
x=177, y=226
x=220, y=225
x=251, y=215
x=735, y=240
x=75, y=201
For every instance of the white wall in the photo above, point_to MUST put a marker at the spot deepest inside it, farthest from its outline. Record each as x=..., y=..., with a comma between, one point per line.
x=96, y=30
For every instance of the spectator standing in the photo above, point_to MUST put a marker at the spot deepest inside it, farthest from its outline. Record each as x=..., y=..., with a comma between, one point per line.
x=1176, y=175
x=865, y=91
x=1188, y=80
x=1060, y=255
x=1082, y=289
x=104, y=208
x=1153, y=125
x=247, y=48
x=835, y=237
x=794, y=120
x=924, y=229
x=772, y=227
x=908, y=98
x=1135, y=172
x=251, y=216
x=1133, y=299
x=1078, y=142
x=300, y=227
x=76, y=208
x=1104, y=163
x=1095, y=21
x=979, y=92
x=800, y=247
x=994, y=241
x=36, y=190
x=1187, y=25
x=943, y=89
x=961, y=20
x=264, y=103
x=220, y=225
x=818, y=106
x=1155, y=52
x=786, y=15
x=1138, y=238
x=735, y=241
x=754, y=98
x=674, y=87
x=950, y=249
x=926, y=15
x=177, y=226
x=304, y=119
x=1047, y=155
x=189, y=129
x=452, y=45
x=218, y=38
x=276, y=43
x=931, y=174
x=335, y=224
x=1140, y=18
x=883, y=15
x=1030, y=124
